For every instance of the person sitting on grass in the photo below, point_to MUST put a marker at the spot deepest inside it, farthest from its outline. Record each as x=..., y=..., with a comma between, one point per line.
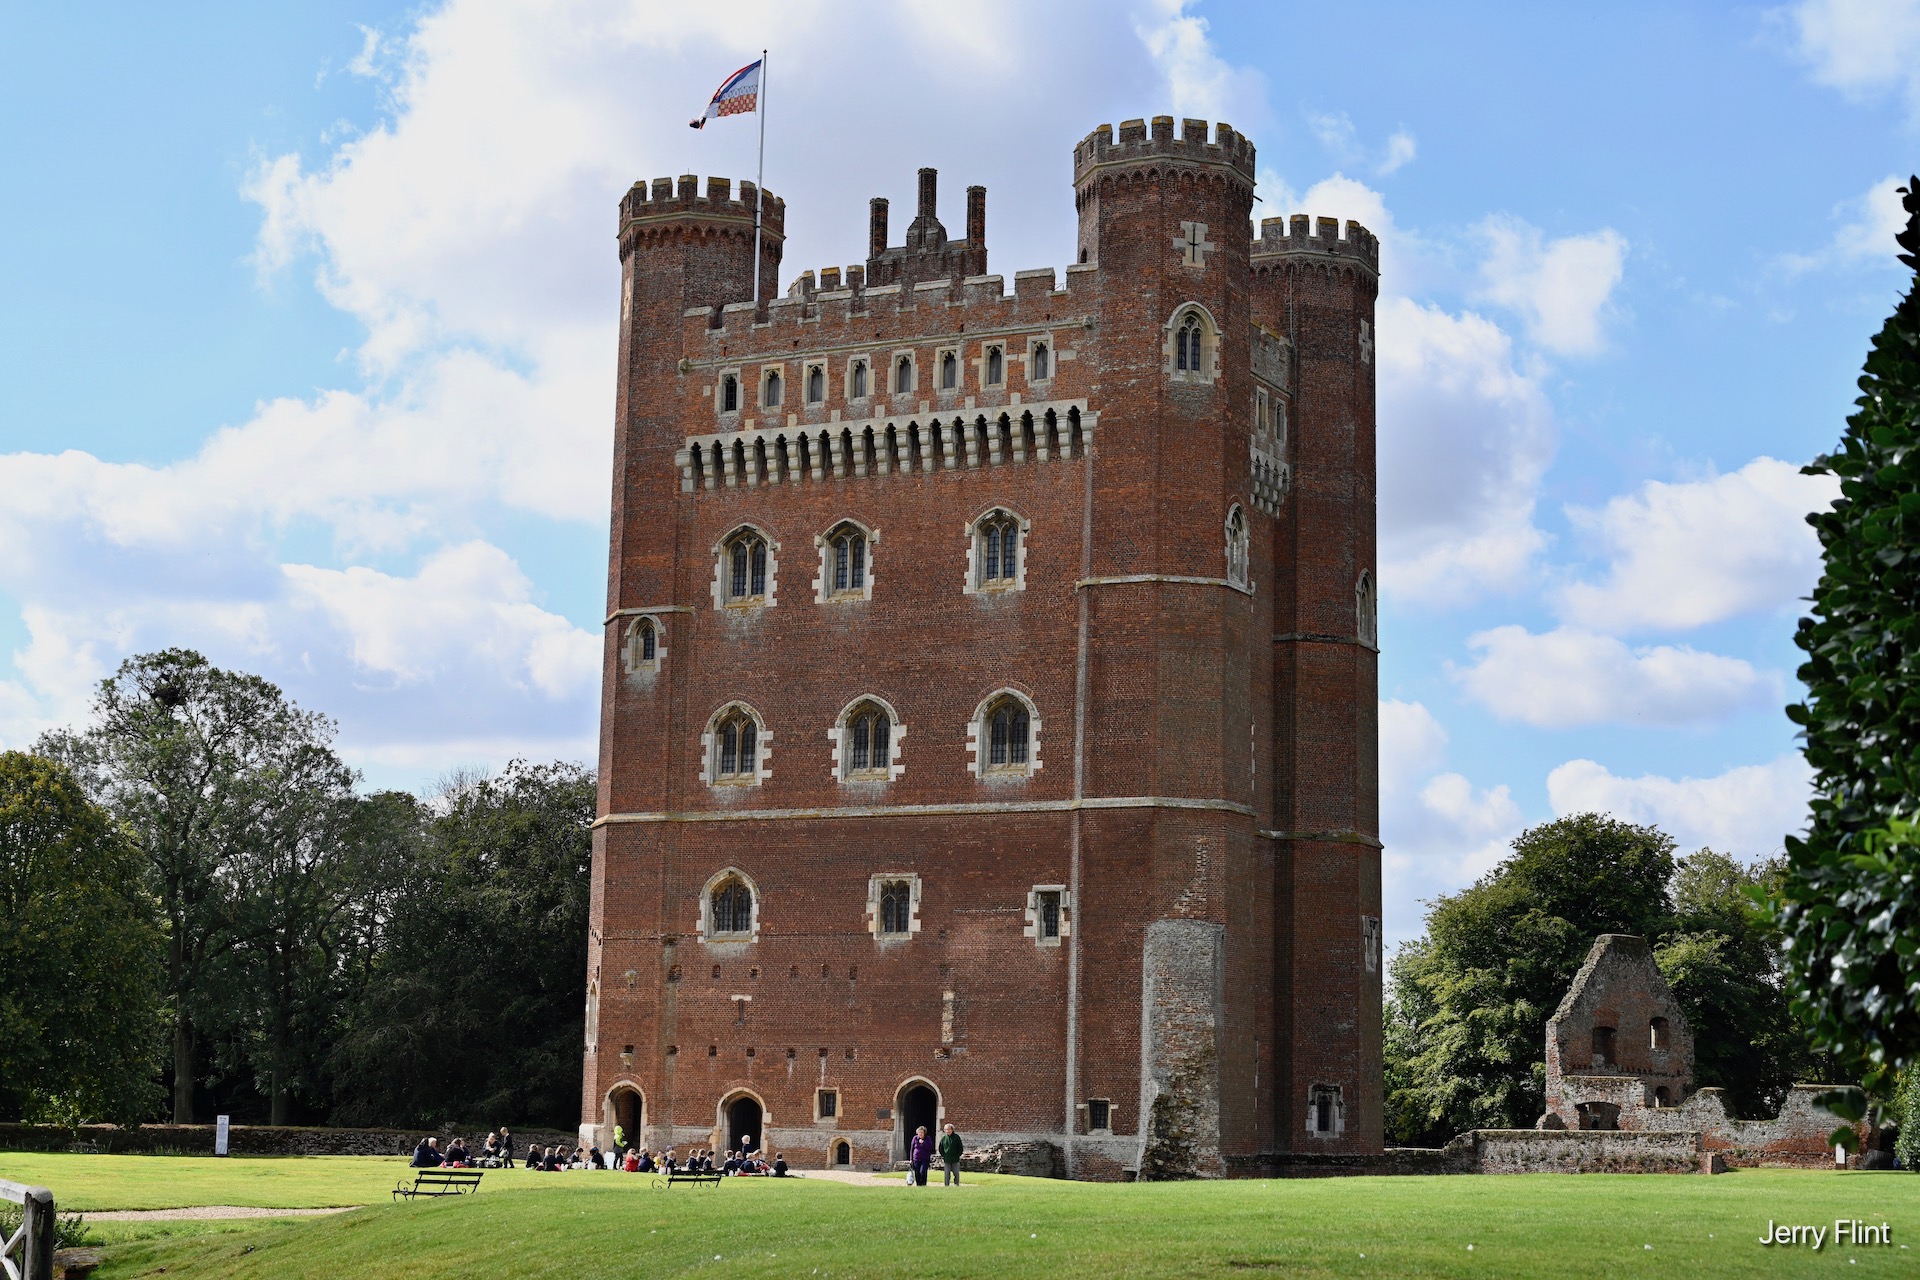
x=780, y=1165
x=490, y=1154
x=632, y=1163
x=457, y=1156
x=427, y=1154
x=551, y=1161
x=594, y=1159
x=647, y=1163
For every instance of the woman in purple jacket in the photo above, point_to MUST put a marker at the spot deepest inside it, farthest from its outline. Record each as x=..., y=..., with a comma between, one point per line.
x=919, y=1156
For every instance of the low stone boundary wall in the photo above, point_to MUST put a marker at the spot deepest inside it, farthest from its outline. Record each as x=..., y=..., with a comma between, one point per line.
x=247, y=1139
x=1580, y=1151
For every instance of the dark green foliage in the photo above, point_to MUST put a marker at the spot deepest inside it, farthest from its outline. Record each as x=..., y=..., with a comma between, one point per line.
x=474, y=1007
x=1849, y=904
x=80, y=1007
x=1472, y=999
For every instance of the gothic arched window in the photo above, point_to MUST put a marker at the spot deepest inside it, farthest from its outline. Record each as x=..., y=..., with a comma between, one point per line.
x=896, y=907
x=847, y=560
x=643, y=645
x=866, y=743
x=729, y=394
x=1042, y=363
x=1186, y=357
x=903, y=374
x=736, y=747
x=857, y=383
x=746, y=568
x=1237, y=547
x=996, y=367
x=772, y=398
x=730, y=908
x=816, y=385
x=949, y=372
x=1009, y=733
x=997, y=550
x=1366, y=610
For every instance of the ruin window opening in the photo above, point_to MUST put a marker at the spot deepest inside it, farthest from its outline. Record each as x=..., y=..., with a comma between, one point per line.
x=1660, y=1039
x=1662, y=1097
x=1326, y=1111
x=1237, y=547
x=1603, y=1047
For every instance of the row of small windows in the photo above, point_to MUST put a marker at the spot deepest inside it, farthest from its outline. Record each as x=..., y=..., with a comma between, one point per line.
x=730, y=910
x=867, y=741
x=905, y=376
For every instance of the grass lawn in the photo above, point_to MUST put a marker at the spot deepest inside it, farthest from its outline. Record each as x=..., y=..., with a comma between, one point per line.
x=582, y=1225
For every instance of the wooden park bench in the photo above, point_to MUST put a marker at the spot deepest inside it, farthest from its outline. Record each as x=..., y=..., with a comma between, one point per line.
x=440, y=1182
x=665, y=1181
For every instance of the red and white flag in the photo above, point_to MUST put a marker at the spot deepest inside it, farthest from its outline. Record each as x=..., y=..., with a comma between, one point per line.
x=737, y=95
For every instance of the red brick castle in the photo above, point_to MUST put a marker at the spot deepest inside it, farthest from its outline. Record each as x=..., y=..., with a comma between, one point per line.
x=989, y=722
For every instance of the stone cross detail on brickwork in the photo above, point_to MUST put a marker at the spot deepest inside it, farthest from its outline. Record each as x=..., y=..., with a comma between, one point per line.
x=1193, y=244
x=1366, y=343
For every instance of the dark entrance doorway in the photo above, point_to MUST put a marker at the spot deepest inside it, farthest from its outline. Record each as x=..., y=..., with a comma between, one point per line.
x=628, y=1113
x=917, y=1105
x=743, y=1124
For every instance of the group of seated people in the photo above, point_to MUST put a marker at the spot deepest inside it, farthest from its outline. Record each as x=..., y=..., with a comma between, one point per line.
x=559, y=1159
x=741, y=1163
x=497, y=1153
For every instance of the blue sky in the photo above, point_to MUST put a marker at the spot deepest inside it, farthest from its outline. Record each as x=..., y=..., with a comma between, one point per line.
x=306, y=345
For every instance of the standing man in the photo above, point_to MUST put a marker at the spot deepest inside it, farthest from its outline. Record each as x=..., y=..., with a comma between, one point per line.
x=950, y=1149
x=619, y=1142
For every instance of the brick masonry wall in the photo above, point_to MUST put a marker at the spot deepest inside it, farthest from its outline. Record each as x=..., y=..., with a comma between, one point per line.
x=244, y=1139
x=1215, y=787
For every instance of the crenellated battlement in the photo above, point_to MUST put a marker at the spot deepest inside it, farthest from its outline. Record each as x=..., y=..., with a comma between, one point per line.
x=671, y=198
x=923, y=309
x=1295, y=235
x=1139, y=142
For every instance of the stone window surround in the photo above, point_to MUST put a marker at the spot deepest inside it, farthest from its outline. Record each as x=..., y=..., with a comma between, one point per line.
x=1053, y=359
x=1370, y=942
x=630, y=646
x=1240, y=556
x=722, y=570
x=980, y=365
x=979, y=739
x=1314, y=1095
x=842, y=743
x=846, y=382
x=819, y=1095
x=976, y=551
x=768, y=371
x=710, y=748
x=912, y=357
x=824, y=594
x=720, y=392
x=703, y=928
x=874, y=884
x=1209, y=371
x=1366, y=611
x=1086, y=1110
x=1032, y=915
x=940, y=355
x=807, y=367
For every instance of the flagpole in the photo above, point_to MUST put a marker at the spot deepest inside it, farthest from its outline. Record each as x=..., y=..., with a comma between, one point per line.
x=759, y=179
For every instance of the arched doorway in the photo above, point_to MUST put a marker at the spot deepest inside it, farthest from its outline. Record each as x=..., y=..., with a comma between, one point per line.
x=744, y=1119
x=627, y=1109
x=917, y=1105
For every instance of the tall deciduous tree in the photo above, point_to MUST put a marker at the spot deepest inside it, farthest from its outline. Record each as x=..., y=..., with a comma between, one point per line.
x=225, y=788
x=80, y=1009
x=1850, y=901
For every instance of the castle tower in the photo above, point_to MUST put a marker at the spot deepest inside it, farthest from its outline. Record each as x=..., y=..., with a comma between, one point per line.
x=960, y=747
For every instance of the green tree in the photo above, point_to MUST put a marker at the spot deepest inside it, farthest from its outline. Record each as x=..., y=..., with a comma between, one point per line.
x=474, y=1006
x=220, y=781
x=1473, y=998
x=1849, y=903
x=80, y=1010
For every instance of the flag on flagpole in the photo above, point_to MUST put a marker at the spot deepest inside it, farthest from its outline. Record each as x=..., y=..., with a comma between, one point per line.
x=738, y=94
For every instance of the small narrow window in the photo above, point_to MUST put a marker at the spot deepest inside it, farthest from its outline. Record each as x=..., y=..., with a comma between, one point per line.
x=996, y=367
x=859, y=391
x=949, y=372
x=1099, y=1115
x=827, y=1103
x=1659, y=1030
x=731, y=906
x=896, y=908
x=648, y=643
x=1041, y=364
x=1047, y=914
x=1366, y=610
x=1370, y=942
x=773, y=390
x=736, y=747
x=1324, y=1109
x=729, y=394
x=816, y=385
x=903, y=374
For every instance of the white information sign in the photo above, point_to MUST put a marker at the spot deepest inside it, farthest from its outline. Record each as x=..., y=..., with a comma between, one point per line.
x=219, y=1135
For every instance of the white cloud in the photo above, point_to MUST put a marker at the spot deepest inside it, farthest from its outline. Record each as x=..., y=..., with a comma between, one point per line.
x=1688, y=554
x=1202, y=82
x=1561, y=289
x=1861, y=47
x=1464, y=440
x=1868, y=224
x=1401, y=149
x=1568, y=678
x=1746, y=811
x=1439, y=830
